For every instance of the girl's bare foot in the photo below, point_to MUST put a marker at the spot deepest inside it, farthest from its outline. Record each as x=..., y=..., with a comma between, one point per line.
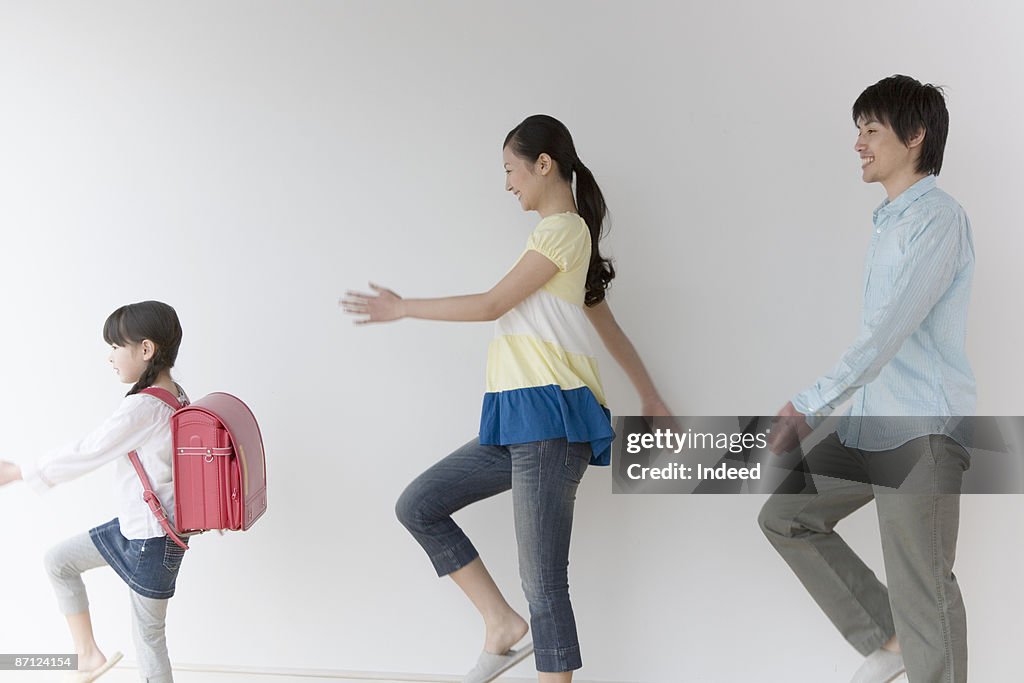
x=505, y=632
x=91, y=660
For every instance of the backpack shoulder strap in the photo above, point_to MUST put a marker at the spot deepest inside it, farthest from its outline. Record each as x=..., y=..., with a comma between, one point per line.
x=164, y=395
x=148, y=494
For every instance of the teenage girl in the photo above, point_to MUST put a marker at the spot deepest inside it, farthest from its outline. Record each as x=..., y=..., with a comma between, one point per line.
x=144, y=339
x=544, y=418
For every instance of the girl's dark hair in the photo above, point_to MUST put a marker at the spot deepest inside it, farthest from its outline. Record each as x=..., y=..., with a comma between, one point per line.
x=908, y=107
x=152, y=320
x=542, y=134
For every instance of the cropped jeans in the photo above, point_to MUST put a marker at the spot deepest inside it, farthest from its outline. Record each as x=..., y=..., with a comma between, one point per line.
x=543, y=477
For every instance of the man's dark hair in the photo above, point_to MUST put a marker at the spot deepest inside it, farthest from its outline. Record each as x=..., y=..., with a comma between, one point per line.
x=908, y=106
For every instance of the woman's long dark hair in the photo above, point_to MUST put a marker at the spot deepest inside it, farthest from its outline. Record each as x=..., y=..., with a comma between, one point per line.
x=152, y=320
x=542, y=134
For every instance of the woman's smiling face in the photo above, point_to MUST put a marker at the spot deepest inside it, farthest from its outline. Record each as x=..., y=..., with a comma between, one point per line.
x=522, y=180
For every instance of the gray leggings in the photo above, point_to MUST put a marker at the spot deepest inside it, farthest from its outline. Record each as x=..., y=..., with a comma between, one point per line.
x=65, y=564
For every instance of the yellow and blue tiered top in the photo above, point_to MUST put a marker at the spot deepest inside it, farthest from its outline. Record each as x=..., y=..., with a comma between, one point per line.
x=542, y=378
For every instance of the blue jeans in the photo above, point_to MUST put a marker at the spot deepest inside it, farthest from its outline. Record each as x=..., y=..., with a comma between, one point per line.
x=543, y=476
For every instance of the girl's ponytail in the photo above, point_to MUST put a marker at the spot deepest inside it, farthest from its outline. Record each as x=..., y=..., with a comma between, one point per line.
x=593, y=210
x=155, y=366
x=542, y=134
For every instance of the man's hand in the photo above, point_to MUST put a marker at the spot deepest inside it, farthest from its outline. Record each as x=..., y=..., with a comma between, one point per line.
x=789, y=428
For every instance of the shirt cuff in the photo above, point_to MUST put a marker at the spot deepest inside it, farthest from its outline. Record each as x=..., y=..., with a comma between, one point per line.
x=814, y=409
x=809, y=402
x=31, y=475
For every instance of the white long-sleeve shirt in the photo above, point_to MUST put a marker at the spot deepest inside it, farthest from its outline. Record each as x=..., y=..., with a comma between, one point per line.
x=141, y=423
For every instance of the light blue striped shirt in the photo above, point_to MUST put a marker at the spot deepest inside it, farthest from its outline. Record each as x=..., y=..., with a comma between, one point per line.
x=909, y=358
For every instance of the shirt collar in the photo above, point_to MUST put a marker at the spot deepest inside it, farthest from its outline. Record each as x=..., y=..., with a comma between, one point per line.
x=905, y=199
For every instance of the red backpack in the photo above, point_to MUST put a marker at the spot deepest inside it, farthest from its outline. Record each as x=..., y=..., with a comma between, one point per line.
x=219, y=468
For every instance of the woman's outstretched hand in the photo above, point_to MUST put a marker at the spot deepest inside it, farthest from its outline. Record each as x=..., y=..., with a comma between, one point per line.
x=381, y=307
x=9, y=472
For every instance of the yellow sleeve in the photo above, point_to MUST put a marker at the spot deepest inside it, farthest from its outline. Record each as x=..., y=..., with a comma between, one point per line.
x=563, y=239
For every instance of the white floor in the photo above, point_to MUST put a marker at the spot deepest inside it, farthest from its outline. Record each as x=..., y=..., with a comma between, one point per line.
x=128, y=674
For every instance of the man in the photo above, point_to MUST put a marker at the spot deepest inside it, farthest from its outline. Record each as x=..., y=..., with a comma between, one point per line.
x=908, y=382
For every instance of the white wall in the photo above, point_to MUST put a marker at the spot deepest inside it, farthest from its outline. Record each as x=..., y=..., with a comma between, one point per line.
x=249, y=161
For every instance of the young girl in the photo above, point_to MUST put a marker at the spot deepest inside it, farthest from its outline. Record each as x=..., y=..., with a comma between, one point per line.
x=544, y=418
x=144, y=338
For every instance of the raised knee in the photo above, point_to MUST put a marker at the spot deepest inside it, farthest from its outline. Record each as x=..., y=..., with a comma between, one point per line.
x=52, y=564
x=409, y=508
x=770, y=520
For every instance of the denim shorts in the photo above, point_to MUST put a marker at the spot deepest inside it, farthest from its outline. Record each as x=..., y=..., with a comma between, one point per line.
x=148, y=565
